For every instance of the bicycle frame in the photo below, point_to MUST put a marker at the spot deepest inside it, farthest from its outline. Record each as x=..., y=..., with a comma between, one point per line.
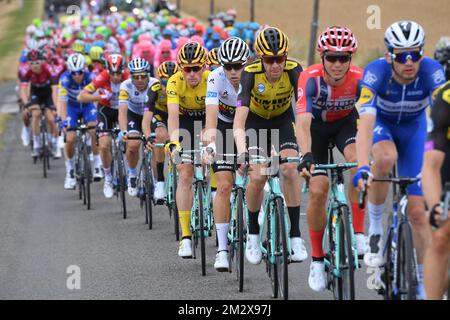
x=337, y=200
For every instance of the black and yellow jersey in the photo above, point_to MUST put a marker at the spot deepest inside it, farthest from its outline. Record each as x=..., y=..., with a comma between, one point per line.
x=157, y=99
x=265, y=99
x=191, y=101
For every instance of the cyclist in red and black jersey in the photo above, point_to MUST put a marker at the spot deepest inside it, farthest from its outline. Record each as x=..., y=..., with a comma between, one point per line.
x=38, y=86
x=327, y=94
x=107, y=87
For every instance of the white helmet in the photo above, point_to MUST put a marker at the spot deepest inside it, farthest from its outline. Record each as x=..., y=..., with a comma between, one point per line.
x=404, y=34
x=233, y=50
x=76, y=62
x=32, y=44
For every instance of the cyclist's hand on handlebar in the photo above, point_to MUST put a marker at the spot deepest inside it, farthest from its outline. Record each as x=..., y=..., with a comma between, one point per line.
x=242, y=161
x=306, y=166
x=209, y=152
x=363, y=178
x=122, y=136
x=436, y=215
x=172, y=148
x=150, y=143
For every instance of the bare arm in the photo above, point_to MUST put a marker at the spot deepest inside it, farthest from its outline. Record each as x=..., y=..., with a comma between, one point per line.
x=123, y=109
x=239, y=128
x=86, y=97
x=173, y=121
x=209, y=134
x=431, y=176
x=303, y=130
x=364, y=139
x=146, y=123
x=24, y=93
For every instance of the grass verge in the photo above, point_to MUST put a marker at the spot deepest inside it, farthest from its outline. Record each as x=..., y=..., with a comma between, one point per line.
x=4, y=118
x=13, y=34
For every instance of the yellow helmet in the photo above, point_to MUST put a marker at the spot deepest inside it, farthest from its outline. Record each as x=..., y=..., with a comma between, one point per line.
x=78, y=46
x=212, y=58
x=96, y=53
x=167, y=69
x=271, y=41
x=88, y=60
x=192, y=53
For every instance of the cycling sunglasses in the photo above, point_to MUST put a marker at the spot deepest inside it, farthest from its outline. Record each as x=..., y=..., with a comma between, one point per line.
x=164, y=82
x=119, y=73
x=77, y=73
x=342, y=58
x=233, y=66
x=273, y=59
x=194, y=68
x=403, y=57
x=33, y=63
x=139, y=77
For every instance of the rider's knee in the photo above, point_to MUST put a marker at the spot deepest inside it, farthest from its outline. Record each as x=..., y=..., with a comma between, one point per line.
x=224, y=187
x=384, y=163
x=417, y=216
x=290, y=172
x=318, y=192
x=441, y=241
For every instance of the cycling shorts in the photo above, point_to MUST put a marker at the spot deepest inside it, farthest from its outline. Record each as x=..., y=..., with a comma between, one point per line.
x=89, y=114
x=341, y=132
x=409, y=139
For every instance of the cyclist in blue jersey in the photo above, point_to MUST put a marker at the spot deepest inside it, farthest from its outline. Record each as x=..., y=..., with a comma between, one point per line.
x=395, y=92
x=71, y=83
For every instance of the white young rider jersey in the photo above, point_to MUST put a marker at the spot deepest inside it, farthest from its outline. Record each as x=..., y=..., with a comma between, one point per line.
x=136, y=100
x=220, y=92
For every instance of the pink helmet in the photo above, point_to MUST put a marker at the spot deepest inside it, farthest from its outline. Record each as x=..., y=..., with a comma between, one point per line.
x=337, y=39
x=196, y=38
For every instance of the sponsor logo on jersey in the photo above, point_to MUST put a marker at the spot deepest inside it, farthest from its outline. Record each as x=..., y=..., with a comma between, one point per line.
x=438, y=76
x=366, y=96
x=261, y=88
x=370, y=78
x=211, y=94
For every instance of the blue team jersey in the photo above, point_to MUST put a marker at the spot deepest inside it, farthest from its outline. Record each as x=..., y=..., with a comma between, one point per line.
x=390, y=101
x=69, y=89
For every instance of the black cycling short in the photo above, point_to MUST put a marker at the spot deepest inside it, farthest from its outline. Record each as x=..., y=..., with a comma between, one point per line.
x=107, y=118
x=134, y=121
x=41, y=96
x=159, y=120
x=189, y=134
x=279, y=131
x=224, y=144
x=342, y=132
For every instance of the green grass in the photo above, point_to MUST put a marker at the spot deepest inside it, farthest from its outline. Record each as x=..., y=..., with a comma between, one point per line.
x=4, y=118
x=15, y=29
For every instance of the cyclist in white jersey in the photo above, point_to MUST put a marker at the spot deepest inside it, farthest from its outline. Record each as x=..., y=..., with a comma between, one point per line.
x=133, y=100
x=222, y=92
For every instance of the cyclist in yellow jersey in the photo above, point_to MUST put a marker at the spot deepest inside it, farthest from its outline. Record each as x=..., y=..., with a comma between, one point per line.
x=155, y=120
x=265, y=107
x=186, y=94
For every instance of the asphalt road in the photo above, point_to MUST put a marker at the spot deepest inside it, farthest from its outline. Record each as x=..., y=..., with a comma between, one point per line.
x=48, y=239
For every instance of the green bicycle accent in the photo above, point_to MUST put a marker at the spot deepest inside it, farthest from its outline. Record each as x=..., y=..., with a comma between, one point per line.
x=341, y=260
x=276, y=249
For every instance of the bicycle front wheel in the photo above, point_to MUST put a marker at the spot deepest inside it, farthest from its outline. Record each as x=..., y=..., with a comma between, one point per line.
x=406, y=270
x=44, y=149
x=122, y=183
x=87, y=177
x=281, y=249
x=148, y=195
x=201, y=218
x=176, y=219
x=346, y=281
x=240, y=246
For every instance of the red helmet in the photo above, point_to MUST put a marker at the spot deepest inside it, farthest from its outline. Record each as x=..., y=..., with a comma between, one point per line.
x=35, y=55
x=337, y=39
x=115, y=63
